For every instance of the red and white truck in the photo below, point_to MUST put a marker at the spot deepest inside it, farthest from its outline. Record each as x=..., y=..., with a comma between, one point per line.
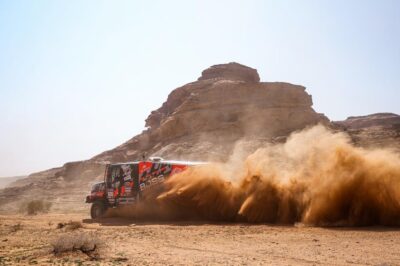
x=125, y=183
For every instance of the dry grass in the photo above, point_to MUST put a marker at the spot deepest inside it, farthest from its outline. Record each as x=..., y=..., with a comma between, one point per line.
x=85, y=243
x=182, y=243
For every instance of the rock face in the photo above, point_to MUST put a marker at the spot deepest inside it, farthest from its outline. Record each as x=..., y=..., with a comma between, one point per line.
x=381, y=130
x=374, y=120
x=203, y=120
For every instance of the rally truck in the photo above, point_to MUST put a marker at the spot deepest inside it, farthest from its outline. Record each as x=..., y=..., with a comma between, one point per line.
x=126, y=183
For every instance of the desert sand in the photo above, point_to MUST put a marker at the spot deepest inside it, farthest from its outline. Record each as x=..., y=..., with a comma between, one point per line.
x=28, y=240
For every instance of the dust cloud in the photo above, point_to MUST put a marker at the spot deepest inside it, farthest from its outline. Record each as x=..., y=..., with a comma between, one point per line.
x=316, y=178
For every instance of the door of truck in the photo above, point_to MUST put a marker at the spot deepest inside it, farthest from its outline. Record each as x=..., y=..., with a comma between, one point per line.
x=122, y=183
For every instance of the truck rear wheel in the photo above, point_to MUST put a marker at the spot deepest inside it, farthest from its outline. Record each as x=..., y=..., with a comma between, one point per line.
x=98, y=209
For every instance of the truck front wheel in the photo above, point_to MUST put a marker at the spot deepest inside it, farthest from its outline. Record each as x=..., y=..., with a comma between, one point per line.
x=98, y=209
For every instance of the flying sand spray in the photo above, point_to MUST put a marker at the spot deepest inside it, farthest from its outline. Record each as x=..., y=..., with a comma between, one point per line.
x=316, y=178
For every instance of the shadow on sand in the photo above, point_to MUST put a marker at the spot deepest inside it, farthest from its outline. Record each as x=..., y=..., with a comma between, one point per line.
x=122, y=221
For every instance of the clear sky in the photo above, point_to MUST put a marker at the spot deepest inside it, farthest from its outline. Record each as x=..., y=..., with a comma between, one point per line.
x=79, y=77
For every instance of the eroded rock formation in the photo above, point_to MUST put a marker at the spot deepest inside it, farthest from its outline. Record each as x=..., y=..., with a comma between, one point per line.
x=203, y=120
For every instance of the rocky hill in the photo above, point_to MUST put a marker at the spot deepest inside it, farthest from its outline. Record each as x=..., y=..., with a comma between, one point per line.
x=381, y=130
x=204, y=120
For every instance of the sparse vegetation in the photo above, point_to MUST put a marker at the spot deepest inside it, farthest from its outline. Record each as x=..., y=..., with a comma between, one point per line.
x=86, y=243
x=35, y=206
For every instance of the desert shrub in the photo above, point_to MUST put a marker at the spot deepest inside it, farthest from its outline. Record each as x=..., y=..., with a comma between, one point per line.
x=86, y=243
x=35, y=206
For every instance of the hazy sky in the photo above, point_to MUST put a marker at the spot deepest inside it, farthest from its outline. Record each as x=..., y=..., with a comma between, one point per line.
x=80, y=77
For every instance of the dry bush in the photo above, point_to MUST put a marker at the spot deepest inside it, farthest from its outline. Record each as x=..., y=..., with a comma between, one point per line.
x=86, y=243
x=35, y=206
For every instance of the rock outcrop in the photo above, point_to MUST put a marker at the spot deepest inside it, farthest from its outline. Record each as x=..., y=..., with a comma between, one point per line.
x=388, y=120
x=204, y=120
x=381, y=130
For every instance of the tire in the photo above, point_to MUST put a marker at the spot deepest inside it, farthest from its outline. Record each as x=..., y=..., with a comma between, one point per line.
x=98, y=209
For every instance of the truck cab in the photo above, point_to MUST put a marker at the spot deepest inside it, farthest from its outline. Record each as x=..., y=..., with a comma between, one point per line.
x=126, y=183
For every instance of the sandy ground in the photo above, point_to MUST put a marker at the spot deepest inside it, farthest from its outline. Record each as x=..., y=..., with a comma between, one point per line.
x=28, y=240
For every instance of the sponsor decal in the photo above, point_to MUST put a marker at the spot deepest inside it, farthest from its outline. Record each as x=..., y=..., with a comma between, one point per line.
x=154, y=173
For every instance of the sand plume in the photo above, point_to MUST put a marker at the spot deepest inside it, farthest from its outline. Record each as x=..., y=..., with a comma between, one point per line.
x=317, y=178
